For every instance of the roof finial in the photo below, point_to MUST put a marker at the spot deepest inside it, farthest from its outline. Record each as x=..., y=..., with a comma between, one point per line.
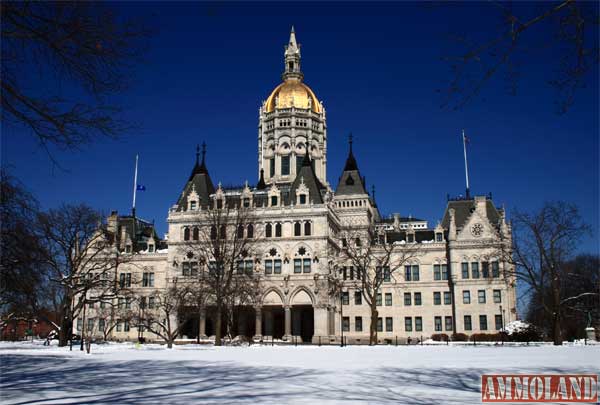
x=350, y=141
x=197, y=154
x=203, y=152
x=373, y=191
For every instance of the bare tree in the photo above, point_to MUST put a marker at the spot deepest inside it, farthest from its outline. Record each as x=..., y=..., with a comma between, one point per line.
x=224, y=237
x=543, y=244
x=81, y=259
x=374, y=261
x=81, y=43
x=570, y=28
x=163, y=318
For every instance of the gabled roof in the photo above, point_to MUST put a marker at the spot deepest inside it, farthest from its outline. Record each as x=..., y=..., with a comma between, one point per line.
x=199, y=181
x=351, y=181
x=463, y=210
x=308, y=176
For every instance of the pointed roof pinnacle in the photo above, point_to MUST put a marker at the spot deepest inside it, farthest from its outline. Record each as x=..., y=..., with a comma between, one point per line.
x=350, y=161
x=293, y=38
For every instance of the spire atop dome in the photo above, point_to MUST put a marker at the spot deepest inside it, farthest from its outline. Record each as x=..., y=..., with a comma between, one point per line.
x=292, y=59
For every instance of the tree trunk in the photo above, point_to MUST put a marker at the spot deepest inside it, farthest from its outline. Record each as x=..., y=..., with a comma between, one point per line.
x=218, y=325
x=170, y=343
x=373, y=328
x=199, y=322
x=66, y=324
x=556, y=327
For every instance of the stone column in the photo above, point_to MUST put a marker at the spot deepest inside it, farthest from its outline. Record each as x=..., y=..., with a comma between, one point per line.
x=321, y=318
x=202, y=328
x=288, y=322
x=258, y=332
x=331, y=320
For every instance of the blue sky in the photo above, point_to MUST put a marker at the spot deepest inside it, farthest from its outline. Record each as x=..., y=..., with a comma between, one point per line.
x=377, y=69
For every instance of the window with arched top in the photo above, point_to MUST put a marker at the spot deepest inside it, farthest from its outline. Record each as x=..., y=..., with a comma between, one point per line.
x=307, y=229
x=278, y=230
x=196, y=233
x=297, y=229
x=250, y=231
x=240, y=232
x=223, y=234
x=213, y=232
x=186, y=234
x=268, y=230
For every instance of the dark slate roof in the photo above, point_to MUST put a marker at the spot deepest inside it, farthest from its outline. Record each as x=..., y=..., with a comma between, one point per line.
x=144, y=230
x=307, y=174
x=201, y=182
x=402, y=219
x=420, y=236
x=351, y=182
x=463, y=210
x=261, y=182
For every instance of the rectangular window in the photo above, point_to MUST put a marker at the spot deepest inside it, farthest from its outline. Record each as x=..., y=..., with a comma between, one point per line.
x=127, y=303
x=148, y=280
x=415, y=272
x=465, y=270
x=438, y=323
x=482, y=322
x=444, y=272
x=407, y=299
x=378, y=299
x=466, y=297
x=389, y=324
x=79, y=325
x=437, y=274
x=345, y=298
x=126, y=326
x=418, y=324
x=387, y=276
x=193, y=272
x=438, y=237
x=447, y=298
x=495, y=269
x=90, y=325
x=475, y=269
x=407, y=273
x=358, y=324
x=268, y=267
x=277, y=266
x=119, y=326
x=468, y=325
x=437, y=298
x=417, y=298
x=240, y=267
x=246, y=202
x=274, y=202
x=297, y=265
x=271, y=167
x=379, y=324
x=306, y=265
x=101, y=325
x=481, y=296
x=497, y=297
x=485, y=269
x=151, y=247
x=357, y=298
x=388, y=299
x=143, y=302
x=448, y=321
x=498, y=321
x=346, y=324
x=249, y=267
x=408, y=324
x=285, y=165
x=151, y=302
x=122, y=280
x=185, y=268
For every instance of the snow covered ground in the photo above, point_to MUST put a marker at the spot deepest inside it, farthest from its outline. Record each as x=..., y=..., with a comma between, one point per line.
x=125, y=374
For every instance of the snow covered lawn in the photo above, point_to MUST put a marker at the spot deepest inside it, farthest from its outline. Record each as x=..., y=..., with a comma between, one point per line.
x=121, y=373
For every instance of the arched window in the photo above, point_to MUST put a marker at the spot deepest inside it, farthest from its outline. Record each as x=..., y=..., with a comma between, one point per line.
x=223, y=232
x=307, y=229
x=297, y=229
x=278, y=230
x=213, y=232
x=196, y=234
x=186, y=234
x=250, y=233
x=240, y=232
x=268, y=230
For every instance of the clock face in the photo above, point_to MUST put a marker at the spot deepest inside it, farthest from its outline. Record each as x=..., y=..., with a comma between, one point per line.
x=477, y=230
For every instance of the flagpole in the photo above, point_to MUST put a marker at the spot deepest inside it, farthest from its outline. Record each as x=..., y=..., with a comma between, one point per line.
x=135, y=184
x=466, y=164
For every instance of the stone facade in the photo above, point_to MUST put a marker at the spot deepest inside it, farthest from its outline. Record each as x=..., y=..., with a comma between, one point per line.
x=299, y=224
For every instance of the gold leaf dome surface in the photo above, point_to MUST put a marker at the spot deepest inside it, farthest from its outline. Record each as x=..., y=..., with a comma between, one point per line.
x=293, y=93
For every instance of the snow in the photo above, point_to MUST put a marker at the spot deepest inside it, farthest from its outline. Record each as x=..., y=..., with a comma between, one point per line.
x=127, y=373
x=516, y=326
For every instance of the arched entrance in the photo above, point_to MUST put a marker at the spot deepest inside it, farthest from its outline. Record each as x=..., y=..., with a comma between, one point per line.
x=303, y=323
x=273, y=315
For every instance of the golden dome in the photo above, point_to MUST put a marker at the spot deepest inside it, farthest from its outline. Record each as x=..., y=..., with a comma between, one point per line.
x=293, y=93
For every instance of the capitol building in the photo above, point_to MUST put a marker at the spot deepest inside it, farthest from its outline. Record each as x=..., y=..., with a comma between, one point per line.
x=304, y=238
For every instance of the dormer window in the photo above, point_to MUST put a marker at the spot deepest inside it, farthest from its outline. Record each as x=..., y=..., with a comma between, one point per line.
x=128, y=249
x=151, y=248
x=246, y=202
x=193, y=205
x=438, y=237
x=219, y=203
x=302, y=199
x=274, y=201
x=410, y=238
